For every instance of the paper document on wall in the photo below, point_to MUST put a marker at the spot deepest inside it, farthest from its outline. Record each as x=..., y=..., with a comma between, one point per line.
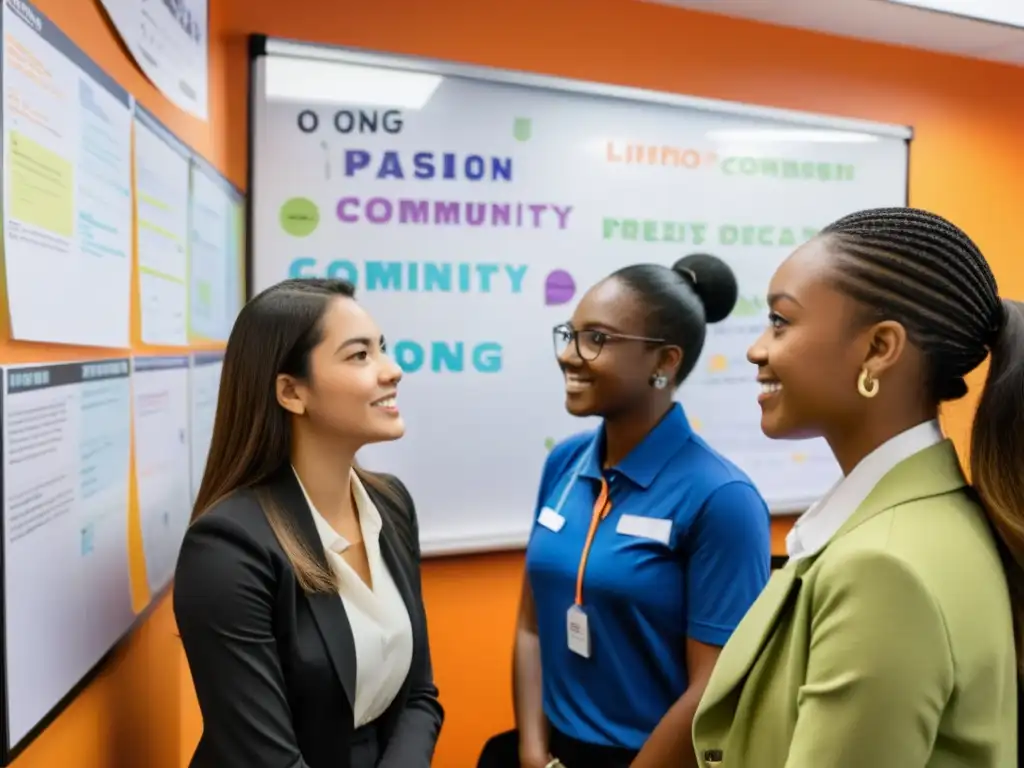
x=204, y=386
x=162, y=166
x=235, y=281
x=162, y=463
x=67, y=584
x=169, y=41
x=214, y=255
x=67, y=188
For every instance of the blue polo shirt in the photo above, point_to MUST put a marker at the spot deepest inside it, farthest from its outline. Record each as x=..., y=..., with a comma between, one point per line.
x=683, y=553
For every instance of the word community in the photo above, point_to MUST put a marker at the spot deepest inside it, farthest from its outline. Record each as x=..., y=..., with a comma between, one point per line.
x=385, y=210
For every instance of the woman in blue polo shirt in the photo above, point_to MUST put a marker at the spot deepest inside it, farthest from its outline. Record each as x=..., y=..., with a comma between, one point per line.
x=648, y=545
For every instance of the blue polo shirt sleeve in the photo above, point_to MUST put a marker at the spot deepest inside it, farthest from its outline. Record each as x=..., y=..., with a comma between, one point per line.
x=728, y=561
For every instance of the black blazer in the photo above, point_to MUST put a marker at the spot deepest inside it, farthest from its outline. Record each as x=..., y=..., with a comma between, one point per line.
x=274, y=667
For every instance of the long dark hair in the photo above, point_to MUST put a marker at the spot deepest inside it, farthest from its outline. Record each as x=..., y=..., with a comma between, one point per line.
x=921, y=270
x=275, y=333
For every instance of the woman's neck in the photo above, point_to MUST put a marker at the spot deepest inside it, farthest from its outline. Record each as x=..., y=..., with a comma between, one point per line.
x=325, y=472
x=854, y=444
x=625, y=432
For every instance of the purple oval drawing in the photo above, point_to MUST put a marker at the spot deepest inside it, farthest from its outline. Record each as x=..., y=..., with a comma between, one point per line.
x=559, y=287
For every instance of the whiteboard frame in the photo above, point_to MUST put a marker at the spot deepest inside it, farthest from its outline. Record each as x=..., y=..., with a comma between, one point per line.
x=266, y=46
x=261, y=46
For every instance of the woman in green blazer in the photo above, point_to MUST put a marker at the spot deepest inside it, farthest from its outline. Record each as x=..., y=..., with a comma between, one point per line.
x=888, y=640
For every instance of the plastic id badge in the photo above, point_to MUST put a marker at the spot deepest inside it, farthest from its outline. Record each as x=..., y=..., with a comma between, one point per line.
x=578, y=631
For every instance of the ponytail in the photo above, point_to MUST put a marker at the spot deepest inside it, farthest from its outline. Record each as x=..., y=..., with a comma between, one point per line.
x=997, y=456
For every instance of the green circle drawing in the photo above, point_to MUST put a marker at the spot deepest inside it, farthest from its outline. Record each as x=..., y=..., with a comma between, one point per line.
x=299, y=216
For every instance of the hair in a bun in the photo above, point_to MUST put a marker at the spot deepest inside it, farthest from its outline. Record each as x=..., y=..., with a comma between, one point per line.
x=680, y=301
x=713, y=281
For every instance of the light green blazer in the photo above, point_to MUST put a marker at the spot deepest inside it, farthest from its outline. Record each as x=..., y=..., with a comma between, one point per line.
x=892, y=647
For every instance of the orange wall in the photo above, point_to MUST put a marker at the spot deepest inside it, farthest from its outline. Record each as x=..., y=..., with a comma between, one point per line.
x=130, y=715
x=966, y=164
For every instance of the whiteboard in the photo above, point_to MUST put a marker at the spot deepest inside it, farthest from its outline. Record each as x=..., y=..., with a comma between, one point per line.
x=473, y=208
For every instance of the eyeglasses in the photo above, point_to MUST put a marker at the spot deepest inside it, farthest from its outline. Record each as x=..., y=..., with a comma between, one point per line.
x=590, y=342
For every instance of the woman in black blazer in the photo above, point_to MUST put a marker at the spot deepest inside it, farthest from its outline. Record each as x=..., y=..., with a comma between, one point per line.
x=297, y=592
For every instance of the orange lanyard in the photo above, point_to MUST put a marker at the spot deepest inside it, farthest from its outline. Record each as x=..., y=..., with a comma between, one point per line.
x=602, y=507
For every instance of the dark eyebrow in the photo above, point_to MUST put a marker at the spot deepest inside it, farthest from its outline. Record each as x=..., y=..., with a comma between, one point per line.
x=364, y=340
x=598, y=327
x=775, y=298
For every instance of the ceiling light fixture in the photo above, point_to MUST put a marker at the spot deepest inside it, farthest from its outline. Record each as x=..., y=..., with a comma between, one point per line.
x=333, y=82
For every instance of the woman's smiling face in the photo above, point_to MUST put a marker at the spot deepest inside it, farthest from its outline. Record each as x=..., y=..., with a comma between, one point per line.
x=810, y=355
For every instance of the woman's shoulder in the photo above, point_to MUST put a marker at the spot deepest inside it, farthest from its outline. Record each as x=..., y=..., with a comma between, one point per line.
x=567, y=452
x=942, y=542
x=711, y=476
x=715, y=466
x=938, y=534
x=227, y=548
x=387, y=485
x=236, y=521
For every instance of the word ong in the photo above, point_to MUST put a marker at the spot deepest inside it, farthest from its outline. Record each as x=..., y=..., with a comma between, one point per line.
x=417, y=277
x=442, y=356
x=383, y=210
x=347, y=121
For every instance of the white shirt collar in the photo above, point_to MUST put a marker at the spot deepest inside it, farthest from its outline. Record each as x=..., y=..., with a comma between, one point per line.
x=369, y=517
x=822, y=521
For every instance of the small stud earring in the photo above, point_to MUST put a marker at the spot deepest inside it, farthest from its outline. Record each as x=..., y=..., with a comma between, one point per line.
x=867, y=386
x=659, y=381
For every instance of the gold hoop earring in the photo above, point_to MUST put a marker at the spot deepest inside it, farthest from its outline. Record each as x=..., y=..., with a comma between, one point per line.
x=866, y=385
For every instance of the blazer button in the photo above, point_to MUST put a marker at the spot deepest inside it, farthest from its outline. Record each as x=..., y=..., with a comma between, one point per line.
x=713, y=757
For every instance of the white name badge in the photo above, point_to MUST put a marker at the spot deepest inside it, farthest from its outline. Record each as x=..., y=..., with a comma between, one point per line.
x=578, y=631
x=551, y=519
x=655, y=528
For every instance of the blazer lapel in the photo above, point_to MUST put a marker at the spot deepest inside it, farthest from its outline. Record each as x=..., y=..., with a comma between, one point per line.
x=931, y=472
x=391, y=551
x=746, y=643
x=397, y=567
x=328, y=610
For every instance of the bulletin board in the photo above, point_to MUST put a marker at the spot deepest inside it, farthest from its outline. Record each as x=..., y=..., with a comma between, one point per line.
x=120, y=240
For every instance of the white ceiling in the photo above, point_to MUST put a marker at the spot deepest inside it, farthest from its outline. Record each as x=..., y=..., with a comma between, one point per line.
x=878, y=20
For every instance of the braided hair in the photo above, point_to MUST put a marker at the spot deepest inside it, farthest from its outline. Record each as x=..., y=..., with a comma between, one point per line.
x=920, y=270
